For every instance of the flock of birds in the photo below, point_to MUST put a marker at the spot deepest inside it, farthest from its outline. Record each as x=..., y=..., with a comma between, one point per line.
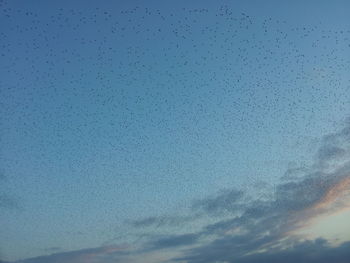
x=129, y=79
x=116, y=61
x=143, y=82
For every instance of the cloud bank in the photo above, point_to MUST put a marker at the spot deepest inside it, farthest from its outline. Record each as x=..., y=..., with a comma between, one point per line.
x=246, y=229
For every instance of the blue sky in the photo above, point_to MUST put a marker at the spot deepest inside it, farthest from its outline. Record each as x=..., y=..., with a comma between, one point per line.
x=170, y=131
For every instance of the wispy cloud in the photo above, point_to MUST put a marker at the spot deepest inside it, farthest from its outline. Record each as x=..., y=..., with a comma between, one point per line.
x=174, y=241
x=264, y=224
x=267, y=224
x=317, y=251
x=227, y=200
x=244, y=229
x=162, y=221
x=101, y=254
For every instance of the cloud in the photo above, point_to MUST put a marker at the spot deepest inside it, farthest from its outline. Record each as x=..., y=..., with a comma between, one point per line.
x=174, y=241
x=329, y=152
x=268, y=225
x=263, y=224
x=159, y=221
x=225, y=201
x=106, y=254
x=294, y=172
x=317, y=251
x=335, y=149
x=246, y=229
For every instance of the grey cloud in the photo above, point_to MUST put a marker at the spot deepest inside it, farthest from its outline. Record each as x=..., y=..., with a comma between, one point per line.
x=147, y=221
x=306, y=252
x=159, y=221
x=260, y=224
x=174, y=241
x=299, y=192
x=304, y=193
x=329, y=152
x=226, y=201
x=264, y=223
x=256, y=224
x=294, y=172
x=335, y=147
x=316, y=251
x=221, y=226
x=99, y=254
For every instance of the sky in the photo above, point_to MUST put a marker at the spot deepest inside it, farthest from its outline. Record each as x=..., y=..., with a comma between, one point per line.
x=174, y=131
